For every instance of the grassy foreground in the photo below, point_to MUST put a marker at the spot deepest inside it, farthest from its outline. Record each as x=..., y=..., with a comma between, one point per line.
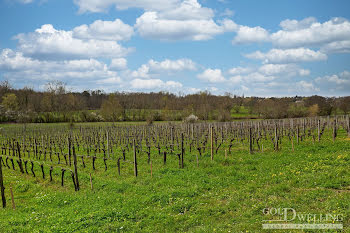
x=224, y=195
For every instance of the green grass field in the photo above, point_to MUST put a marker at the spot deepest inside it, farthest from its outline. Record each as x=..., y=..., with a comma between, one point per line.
x=224, y=195
x=243, y=114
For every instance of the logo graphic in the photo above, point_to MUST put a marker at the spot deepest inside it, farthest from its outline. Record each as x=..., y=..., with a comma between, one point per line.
x=289, y=218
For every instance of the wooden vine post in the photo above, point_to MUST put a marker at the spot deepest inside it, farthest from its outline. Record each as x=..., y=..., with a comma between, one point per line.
x=334, y=129
x=12, y=199
x=182, y=150
x=348, y=125
x=108, y=145
x=211, y=143
x=75, y=169
x=69, y=151
x=20, y=159
x=62, y=177
x=276, y=139
x=118, y=164
x=319, y=130
x=172, y=138
x=2, y=188
x=298, y=135
x=164, y=157
x=250, y=141
x=135, y=158
x=51, y=169
x=42, y=170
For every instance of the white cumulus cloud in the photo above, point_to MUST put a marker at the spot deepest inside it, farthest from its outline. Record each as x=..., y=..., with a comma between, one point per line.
x=212, y=76
x=306, y=87
x=166, y=66
x=337, y=47
x=103, y=5
x=247, y=34
x=265, y=74
x=147, y=84
x=118, y=64
x=104, y=30
x=240, y=70
x=331, y=36
x=19, y=67
x=112, y=80
x=336, y=83
x=283, y=69
x=151, y=26
x=188, y=10
x=49, y=43
x=288, y=55
x=162, y=20
x=293, y=25
x=311, y=33
x=254, y=77
x=171, y=65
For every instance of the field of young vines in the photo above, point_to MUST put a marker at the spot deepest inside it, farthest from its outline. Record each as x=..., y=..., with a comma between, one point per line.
x=171, y=177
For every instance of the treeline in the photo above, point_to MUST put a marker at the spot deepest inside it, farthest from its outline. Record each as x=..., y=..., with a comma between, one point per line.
x=57, y=104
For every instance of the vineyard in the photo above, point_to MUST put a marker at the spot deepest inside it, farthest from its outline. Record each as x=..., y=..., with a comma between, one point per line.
x=171, y=176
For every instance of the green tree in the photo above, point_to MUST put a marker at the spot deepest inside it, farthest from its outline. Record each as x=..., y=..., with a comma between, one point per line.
x=314, y=110
x=71, y=102
x=297, y=109
x=236, y=108
x=9, y=101
x=344, y=104
x=324, y=104
x=46, y=103
x=111, y=109
x=272, y=108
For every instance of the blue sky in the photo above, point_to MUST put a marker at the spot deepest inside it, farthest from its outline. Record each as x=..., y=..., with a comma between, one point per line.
x=255, y=48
